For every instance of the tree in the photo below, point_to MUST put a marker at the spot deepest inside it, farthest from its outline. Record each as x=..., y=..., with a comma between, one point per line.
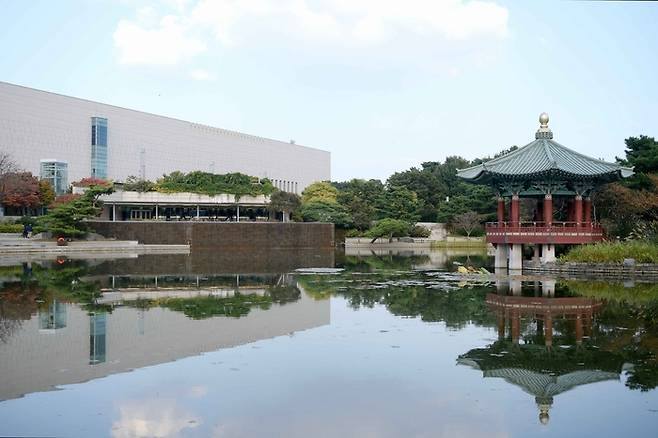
x=91, y=181
x=68, y=219
x=284, y=202
x=642, y=154
x=46, y=193
x=325, y=211
x=134, y=184
x=320, y=191
x=389, y=227
x=362, y=199
x=20, y=190
x=401, y=203
x=467, y=222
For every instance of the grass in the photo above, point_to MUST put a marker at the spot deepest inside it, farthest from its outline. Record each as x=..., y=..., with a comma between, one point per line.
x=614, y=252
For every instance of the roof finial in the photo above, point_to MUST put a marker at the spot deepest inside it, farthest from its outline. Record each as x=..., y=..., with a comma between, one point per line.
x=543, y=131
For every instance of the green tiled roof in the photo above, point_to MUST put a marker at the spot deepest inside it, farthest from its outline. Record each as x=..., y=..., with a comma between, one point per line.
x=543, y=158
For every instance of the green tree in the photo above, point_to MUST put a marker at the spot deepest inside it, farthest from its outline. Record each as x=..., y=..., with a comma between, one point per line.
x=68, y=219
x=326, y=211
x=389, y=227
x=642, y=154
x=134, y=184
x=362, y=199
x=320, y=191
x=401, y=203
x=284, y=202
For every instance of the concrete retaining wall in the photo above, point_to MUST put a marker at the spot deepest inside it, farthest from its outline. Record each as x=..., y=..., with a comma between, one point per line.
x=595, y=270
x=214, y=235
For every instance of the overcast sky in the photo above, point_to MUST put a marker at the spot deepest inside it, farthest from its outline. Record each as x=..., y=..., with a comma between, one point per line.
x=382, y=84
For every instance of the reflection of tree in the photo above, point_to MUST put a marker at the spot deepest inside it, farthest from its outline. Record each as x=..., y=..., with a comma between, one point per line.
x=18, y=302
x=207, y=307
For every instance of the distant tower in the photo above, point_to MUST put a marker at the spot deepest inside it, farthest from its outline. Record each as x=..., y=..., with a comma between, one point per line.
x=211, y=167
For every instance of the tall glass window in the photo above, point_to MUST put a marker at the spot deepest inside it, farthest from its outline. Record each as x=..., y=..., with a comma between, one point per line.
x=56, y=172
x=99, y=147
x=97, y=331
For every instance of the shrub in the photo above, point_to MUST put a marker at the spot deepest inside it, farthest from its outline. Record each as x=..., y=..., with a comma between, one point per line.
x=11, y=228
x=389, y=227
x=613, y=252
x=420, y=231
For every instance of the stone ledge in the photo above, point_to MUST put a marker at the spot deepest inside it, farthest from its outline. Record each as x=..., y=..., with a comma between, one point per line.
x=645, y=270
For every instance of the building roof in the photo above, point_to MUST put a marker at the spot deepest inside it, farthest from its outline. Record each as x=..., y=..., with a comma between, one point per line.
x=544, y=158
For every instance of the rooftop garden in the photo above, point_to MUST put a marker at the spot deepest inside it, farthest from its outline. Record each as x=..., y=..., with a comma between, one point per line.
x=203, y=183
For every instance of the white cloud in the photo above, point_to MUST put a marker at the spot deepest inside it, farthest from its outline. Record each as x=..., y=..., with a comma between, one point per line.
x=199, y=74
x=345, y=23
x=165, y=44
x=152, y=418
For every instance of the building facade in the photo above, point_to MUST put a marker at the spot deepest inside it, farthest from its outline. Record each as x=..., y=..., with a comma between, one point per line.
x=109, y=142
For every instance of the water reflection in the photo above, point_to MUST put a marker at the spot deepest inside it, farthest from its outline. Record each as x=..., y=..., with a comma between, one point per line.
x=381, y=331
x=71, y=320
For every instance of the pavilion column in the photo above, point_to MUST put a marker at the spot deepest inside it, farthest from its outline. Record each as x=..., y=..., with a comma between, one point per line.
x=548, y=210
x=578, y=210
x=579, y=329
x=515, y=324
x=501, y=210
x=515, y=212
x=587, y=210
x=548, y=330
x=501, y=325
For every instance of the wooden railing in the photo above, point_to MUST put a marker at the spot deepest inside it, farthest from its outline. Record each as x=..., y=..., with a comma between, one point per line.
x=542, y=232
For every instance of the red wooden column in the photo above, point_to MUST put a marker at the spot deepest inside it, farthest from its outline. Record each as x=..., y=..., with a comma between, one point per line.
x=501, y=211
x=548, y=209
x=515, y=326
x=578, y=210
x=579, y=329
x=515, y=211
x=548, y=330
x=587, y=210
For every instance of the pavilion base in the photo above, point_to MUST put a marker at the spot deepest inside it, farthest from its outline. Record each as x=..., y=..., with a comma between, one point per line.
x=548, y=253
x=515, y=258
x=502, y=253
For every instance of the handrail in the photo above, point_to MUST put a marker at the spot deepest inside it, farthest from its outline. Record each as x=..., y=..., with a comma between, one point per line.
x=543, y=225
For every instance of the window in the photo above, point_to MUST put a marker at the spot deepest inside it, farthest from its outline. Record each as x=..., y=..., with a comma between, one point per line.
x=56, y=172
x=97, y=331
x=99, y=147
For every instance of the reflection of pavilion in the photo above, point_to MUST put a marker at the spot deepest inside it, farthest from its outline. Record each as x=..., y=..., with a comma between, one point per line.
x=541, y=370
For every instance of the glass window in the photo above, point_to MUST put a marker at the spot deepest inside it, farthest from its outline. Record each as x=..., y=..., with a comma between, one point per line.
x=56, y=173
x=99, y=147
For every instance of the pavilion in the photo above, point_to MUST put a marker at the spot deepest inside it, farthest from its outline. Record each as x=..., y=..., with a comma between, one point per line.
x=542, y=171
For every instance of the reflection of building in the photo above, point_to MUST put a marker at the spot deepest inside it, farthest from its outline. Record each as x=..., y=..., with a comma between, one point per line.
x=535, y=365
x=54, y=317
x=545, y=172
x=98, y=344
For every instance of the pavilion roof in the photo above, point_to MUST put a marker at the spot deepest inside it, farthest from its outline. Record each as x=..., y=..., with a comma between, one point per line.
x=544, y=158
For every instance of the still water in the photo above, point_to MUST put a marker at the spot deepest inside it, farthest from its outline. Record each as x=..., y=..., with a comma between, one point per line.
x=320, y=344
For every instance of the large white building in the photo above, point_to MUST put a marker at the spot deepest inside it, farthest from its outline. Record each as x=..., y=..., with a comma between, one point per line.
x=75, y=138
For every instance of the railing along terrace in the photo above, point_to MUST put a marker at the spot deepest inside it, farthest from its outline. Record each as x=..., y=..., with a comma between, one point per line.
x=542, y=232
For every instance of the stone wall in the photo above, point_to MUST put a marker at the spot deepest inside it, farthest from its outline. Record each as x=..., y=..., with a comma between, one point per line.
x=595, y=270
x=221, y=235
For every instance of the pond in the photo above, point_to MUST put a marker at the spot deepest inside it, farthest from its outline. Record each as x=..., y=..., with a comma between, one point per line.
x=322, y=344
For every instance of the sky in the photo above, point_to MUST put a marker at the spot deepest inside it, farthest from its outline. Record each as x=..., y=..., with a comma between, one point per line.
x=383, y=85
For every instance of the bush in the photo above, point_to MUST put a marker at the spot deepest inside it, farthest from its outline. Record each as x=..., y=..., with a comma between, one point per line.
x=11, y=228
x=389, y=227
x=614, y=252
x=420, y=231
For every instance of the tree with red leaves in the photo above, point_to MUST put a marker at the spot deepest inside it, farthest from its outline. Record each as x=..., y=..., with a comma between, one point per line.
x=21, y=190
x=90, y=181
